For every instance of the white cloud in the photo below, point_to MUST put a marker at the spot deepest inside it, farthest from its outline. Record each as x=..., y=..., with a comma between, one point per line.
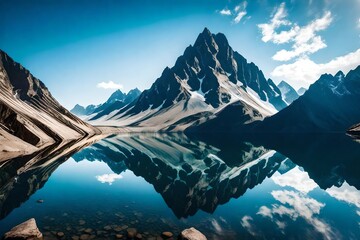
x=304, y=71
x=238, y=13
x=296, y=179
x=345, y=193
x=265, y=212
x=278, y=20
x=304, y=39
x=225, y=12
x=246, y=223
x=216, y=226
x=314, y=45
x=108, y=178
x=303, y=206
x=239, y=16
x=109, y=85
x=300, y=206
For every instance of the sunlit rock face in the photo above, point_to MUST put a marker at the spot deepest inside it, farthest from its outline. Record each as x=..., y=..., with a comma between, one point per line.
x=30, y=118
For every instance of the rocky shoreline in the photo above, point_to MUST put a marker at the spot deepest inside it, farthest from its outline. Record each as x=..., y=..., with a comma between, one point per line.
x=28, y=230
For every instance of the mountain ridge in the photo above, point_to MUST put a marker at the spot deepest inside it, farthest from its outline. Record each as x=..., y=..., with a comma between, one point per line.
x=327, y=106
x=117, y=100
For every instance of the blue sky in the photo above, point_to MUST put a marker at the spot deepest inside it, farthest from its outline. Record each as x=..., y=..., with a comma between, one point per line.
x=84, y=49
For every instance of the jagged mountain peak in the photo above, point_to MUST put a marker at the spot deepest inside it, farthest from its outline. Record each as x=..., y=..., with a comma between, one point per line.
x=207, y=77
x=118, y=95
x=288, y=92
x=340, y=74
x=135, y=90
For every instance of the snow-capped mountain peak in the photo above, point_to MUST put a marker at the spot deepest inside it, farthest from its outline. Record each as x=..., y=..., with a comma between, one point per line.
x=205, y=79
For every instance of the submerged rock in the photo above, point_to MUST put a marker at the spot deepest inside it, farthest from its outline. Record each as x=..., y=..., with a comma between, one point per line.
x=131, y=232
x=191, y=234
x=167, y=235
x=27, y=230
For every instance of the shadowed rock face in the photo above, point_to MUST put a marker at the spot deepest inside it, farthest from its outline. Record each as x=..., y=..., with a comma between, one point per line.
x=328, y=106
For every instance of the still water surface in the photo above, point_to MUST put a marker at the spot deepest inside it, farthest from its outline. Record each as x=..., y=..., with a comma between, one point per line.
x=228, y=189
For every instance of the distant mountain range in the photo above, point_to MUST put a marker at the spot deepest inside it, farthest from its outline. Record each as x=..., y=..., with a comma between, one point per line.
x=207, y=80
x=30, y=118
x=116, y=101
x=301, y=91
x=288, y=92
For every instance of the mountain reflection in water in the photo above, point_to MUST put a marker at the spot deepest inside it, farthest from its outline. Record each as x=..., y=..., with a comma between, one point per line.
x=195, y=175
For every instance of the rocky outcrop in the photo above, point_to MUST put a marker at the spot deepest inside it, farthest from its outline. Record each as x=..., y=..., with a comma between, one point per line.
x=191, y=234
x=24, y=231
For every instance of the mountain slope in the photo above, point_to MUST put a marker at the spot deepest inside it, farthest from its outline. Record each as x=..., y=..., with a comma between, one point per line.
x=30, y=118
x=330, y=104
x=288, y=92
x=205, y=79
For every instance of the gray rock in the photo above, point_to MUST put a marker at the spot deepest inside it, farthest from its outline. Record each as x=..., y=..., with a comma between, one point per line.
x=26, y=230
x=192, y=234
x=131, y=232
